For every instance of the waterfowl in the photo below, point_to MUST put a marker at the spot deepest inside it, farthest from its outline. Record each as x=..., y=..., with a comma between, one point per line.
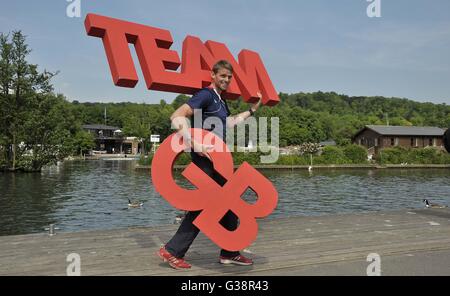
x=134, y=204
x=179, y=218
x=432, y=205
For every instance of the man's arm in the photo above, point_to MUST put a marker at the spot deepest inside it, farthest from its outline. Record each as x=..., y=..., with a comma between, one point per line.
x=236, y=119
x=180, y=122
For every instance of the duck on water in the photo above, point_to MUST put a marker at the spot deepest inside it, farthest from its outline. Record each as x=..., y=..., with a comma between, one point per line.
x=433, y=205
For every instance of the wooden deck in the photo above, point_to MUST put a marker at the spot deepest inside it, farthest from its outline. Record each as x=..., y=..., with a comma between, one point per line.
x=410, y=242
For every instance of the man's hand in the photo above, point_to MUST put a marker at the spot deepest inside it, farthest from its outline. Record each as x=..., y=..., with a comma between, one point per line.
x=256, y=105
x=202, y=149
x=234, y=120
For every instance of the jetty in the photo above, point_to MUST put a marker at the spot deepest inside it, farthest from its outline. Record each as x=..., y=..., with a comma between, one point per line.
x=408, y=242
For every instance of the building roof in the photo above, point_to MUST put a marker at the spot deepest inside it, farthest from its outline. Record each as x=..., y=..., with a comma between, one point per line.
x=99, y=127
x=390, y=130
x=327, y=143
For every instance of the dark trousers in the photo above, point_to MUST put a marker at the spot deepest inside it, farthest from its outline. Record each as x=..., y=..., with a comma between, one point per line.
x=187, y=232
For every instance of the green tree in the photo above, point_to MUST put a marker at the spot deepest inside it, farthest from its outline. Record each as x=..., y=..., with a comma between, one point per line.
x=83, y=142
x=179, y=100
x=37, y=126
x=20, y=83
x=138, y=125
x=50, y=132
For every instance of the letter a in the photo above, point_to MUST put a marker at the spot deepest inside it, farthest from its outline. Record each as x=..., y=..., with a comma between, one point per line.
x=374, y=8
x=73, y=9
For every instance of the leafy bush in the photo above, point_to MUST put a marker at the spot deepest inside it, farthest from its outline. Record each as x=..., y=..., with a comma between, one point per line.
x=182, y=159
x=399, y=155
x=351, y=154
x=331, y=155
x=355, y=153
x=293, y=160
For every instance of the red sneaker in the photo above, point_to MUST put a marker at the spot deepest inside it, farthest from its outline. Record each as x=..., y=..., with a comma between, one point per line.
x=238, y=260
x=174, y=262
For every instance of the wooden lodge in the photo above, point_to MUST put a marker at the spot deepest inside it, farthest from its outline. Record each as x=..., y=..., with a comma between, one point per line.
x=376, y=137
x=110, y=139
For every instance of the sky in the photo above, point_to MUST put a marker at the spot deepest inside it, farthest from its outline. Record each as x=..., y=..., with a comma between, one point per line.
x=306, y=45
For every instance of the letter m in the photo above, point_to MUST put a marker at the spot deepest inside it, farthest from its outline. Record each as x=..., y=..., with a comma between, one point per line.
x=250, y=74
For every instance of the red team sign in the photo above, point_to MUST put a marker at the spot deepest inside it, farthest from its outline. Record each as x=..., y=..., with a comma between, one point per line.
x=159, y=64
x=152, y=48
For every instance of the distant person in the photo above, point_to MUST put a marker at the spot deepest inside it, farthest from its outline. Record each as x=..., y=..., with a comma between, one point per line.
x=210, y=102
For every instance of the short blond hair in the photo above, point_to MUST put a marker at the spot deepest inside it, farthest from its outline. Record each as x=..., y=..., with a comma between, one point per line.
x=222, y=64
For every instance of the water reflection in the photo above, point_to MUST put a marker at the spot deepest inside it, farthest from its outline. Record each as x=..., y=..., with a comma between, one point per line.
x=345, y=191
x=25, y=203
x=94, y=195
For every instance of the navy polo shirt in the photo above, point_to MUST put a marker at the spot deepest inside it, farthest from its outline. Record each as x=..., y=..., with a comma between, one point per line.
x=210, y=105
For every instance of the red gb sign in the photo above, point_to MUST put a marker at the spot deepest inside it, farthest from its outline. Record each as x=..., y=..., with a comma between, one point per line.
x=155, y=57
x=223, y=198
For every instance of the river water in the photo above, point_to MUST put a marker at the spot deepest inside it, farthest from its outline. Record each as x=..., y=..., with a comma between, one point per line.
x=88, y=195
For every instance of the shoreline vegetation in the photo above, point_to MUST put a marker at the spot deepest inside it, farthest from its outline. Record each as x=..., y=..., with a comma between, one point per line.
x=350, y=156
x=330, y=166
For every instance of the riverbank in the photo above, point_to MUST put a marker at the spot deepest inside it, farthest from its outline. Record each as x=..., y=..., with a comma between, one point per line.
x=105, y=157
x=322, y=167
x=408, y=242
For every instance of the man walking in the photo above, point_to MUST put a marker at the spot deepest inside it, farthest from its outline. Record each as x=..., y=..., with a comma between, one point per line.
x=208, y=101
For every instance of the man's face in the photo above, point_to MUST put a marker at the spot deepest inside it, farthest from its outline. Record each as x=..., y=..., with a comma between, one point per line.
x=222, y=78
